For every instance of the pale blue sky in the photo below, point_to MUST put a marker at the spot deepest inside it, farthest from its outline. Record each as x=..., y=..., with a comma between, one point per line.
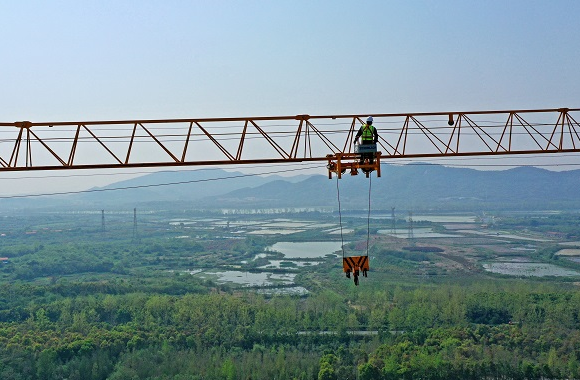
x=79, y=60
x=115, y=59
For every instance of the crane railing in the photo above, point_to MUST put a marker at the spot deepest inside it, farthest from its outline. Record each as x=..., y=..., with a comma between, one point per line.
x=29, y=145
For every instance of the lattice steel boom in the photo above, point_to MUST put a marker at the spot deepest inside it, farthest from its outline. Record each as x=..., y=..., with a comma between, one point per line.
x=29, y=145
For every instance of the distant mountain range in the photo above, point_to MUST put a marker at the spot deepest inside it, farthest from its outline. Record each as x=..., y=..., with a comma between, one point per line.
x=424, y=187
x=420, y=187
x=179, y=186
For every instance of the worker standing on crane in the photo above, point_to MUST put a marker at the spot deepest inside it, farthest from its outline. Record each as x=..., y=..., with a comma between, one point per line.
x=369, y=136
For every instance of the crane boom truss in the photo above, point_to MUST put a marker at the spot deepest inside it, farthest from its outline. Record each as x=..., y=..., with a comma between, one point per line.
x=217, y=141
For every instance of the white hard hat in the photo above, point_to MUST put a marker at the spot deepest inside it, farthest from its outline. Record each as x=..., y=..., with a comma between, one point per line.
x=369, y=119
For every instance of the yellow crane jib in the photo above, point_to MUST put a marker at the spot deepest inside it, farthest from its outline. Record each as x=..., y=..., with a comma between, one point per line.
x=65, y=145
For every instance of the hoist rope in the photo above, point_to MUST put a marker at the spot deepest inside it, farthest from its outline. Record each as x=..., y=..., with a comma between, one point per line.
x=369, y=217
x=340, y=217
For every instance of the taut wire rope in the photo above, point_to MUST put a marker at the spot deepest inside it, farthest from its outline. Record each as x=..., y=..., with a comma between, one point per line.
x=340, y=217
x=369, y=217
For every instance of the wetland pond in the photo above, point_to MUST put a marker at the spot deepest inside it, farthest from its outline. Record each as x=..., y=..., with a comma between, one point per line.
x=522, y=269
x=292, y=252
x=307, y=250
x=417, y=233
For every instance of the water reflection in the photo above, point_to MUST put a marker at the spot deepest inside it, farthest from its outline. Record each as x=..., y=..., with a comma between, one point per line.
x=294, y=290
x=417, y=233
x=278, y=264
x=251, y=278
x=529, y=269
x=307, y=250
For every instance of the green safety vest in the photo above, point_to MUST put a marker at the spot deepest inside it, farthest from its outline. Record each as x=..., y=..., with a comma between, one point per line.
x=368, y=133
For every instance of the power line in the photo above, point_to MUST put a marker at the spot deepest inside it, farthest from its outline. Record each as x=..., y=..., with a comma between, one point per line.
x=305, y=167
x=414, y=129
x=237, y=176
x=491, y=165
x=153, y=185
x=386, y=158
x=407, y=162
x=508, y=165
x=147, y=172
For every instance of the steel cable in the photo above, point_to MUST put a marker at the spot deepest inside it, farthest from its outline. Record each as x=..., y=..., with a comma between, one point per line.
x=340, y=218
x=369, y=217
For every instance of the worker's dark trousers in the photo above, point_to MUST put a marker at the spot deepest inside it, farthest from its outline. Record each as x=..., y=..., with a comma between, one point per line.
x=369, y=156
